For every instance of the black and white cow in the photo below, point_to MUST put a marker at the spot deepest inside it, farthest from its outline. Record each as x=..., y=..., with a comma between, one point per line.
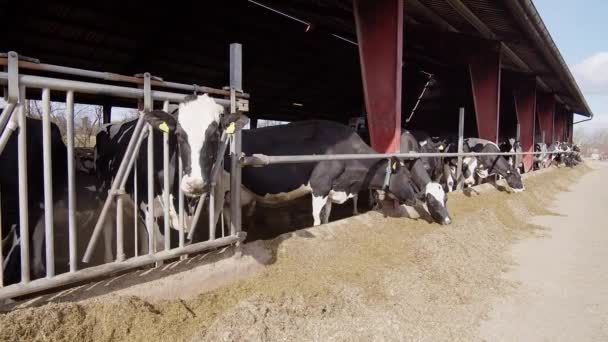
x=112, y=140
x=432, y=192
x=9, y=188
x=484, y=166
x=512, y=145
x=199, y=125
x=541, y=161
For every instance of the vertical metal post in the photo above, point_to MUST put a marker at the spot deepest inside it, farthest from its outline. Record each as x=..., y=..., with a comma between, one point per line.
x=212, y=223
x=166, y=192
x=543, y=137
x=236, y=78
x=517, y=158
x=47, y=165
x=71, y=183
x=135, y=212
x=1, y=251
x=180, y=172
x=150, y=219
x=120, y=230
x=24, y=231
x=460, y=147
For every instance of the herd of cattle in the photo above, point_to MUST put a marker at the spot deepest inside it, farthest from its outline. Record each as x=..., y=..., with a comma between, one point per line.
x=195, y=128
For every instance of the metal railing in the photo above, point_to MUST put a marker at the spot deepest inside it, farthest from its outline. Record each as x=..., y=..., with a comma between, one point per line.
x=13, y=121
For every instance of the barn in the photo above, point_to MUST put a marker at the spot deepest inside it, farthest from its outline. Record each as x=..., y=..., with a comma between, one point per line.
x=392, y=64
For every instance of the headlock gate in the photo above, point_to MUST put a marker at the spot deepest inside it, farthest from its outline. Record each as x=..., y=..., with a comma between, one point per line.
x=13, y=122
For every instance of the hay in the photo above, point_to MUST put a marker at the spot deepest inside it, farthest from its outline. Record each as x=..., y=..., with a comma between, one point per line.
x=365, y=278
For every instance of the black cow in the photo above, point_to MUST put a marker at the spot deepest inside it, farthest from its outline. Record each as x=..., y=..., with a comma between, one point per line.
x=111, y=145
x=199, y=127
x=9, y=188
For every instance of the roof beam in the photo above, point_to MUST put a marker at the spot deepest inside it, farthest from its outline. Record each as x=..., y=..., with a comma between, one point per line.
x=430, y=15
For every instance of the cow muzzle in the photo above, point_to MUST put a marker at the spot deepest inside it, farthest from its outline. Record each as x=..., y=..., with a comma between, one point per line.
x=193, y=186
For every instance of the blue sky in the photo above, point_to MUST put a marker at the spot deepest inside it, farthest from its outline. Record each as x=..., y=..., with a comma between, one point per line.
x=580, y=30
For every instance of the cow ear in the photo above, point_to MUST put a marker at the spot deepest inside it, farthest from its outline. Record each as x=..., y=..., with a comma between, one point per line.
x=161, y=120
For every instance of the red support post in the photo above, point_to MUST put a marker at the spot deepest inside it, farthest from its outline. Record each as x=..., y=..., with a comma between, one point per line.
x=571, y=127
x=484, y=69
x=545, y=105
x=558, y=124
x=525, y=107
x=380, y=36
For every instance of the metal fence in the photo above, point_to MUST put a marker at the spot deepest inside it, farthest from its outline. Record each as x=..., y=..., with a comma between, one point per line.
x=13, y=121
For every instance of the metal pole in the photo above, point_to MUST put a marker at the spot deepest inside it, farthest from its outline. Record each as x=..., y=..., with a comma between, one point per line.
x=236, y=84
x=460, y=148
x=543, y=137
x=135, y=211
x=98, y=89
x=180, y=172
x=150, y=219
x=1, y=251
x=517, y=159
x=24, y=231
x=73, y=239
x=38, y=285
x=212, y=223
x=166, y=197
x=8, y=131
x=120, y=174
x=120, y=244
x=12, y=94
x=6, y=114
x=47, y=164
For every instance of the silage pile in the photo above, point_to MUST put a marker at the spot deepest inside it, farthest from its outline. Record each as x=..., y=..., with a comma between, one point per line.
x=365, y=278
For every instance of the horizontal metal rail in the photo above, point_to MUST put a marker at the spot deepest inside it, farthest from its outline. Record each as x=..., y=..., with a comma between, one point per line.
x=97, y=89
x=262, y=160
x=108, y=76
x=43, y=284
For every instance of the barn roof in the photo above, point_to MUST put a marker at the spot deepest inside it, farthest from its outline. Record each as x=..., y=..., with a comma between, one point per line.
x=285, y=61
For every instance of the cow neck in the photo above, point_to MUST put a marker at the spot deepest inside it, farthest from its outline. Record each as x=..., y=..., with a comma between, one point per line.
x=376, y=174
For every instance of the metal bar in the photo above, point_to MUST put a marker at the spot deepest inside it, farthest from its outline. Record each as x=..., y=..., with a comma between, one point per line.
x=166, y=192
x=148, y=106
x=72, y=229
x=135, y=209
x=460, y=147
x=107, y=269
x=236, y=67
x=47, y=164
x=24, y=231
x=1, y=251
x=120, y=174
x=108, y=76
x=197, y=214
x=13, y=77
x=97, y=89
x=120, y=230
x=7, y=113
x=8, y=131
x=235, y=184
x=212, y=223
x=180, y=205
x=263, y=160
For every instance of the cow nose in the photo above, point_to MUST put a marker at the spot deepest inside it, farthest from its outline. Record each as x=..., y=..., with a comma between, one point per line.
x=192, y=185
x=447, y=221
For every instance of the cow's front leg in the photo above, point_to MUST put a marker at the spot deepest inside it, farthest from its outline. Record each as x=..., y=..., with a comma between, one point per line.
x=318, y=203
x=355, y=204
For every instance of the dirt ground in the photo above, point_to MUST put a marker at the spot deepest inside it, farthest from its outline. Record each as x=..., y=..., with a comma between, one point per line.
x=563, y=277
x=367, y=278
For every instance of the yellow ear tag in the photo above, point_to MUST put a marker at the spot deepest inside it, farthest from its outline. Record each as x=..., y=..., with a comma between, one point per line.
x=231, y=128
x=164, y=127
x=394, y=166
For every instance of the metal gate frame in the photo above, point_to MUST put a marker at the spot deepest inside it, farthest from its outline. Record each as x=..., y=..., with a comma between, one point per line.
x=13, y=119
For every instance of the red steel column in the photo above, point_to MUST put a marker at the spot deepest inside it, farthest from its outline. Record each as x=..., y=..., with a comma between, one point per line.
x=484, y=69
x=525, y=107
x=571, y=127
x=545, y=104
x=558, y=124
x=380, y=36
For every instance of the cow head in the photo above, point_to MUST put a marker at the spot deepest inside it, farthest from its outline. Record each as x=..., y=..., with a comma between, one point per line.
x=197, y=127
x=436, y=201
x=400, y=186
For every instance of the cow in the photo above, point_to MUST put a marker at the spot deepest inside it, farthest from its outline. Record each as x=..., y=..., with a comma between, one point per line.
x=484, y=166
x=512, y=145
x=541, y=160
x=9, y=189
x=439, y=170
x=200, y=122
x=112, y=140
